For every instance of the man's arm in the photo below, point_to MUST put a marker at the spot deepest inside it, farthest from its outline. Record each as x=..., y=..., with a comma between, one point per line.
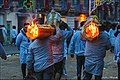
x=67, y=33
x=18, y=41
x=71, y=49
x=57, y=36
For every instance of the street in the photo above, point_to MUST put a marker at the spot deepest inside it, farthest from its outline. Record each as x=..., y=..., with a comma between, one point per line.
x=10, y=69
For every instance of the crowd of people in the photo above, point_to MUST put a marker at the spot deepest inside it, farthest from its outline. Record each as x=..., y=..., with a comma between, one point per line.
x=4, y=34
x=44, y=59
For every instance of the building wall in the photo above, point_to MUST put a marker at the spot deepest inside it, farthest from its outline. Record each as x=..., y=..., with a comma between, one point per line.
x=70, y=21
x=1, y=19
x=13, y=18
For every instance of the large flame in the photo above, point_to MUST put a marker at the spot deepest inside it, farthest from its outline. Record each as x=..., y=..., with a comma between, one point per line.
x=39, y=31
x=32, y=31
x=92, y=30
x=82, y=17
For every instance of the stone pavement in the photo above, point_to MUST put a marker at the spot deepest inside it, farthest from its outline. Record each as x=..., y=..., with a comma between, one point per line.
x=11, y=49
x=109, y=73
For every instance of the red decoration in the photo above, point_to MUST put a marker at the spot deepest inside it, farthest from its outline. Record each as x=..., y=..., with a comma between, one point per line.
x=6, y=4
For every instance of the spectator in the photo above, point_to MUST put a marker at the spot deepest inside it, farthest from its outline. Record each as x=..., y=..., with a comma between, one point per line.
x=94, y=55
x=23, y=43
x=13, y=35
x=2, y=52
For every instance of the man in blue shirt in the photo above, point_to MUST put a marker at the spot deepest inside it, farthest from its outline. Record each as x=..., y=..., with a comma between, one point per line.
x=13, y=35
x=77, y=47
x=22, y=42
x=94, y=55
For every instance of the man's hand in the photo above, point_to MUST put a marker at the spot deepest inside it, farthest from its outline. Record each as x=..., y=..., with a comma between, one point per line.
x=72, y=55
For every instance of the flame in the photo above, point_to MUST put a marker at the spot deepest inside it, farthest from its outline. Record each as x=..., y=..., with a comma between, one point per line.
x=82, y=17
x=92, y=30
x=32, y=31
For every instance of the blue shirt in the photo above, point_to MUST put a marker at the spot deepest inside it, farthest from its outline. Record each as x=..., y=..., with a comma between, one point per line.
x=13, y=33
x=77, y=45
x=40, y=55
x=95, y=52
x=112, y=36
x=117, y=47
x=22, y=43
x=65, y=49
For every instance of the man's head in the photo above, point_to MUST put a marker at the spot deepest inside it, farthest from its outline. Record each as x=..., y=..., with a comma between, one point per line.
x=2, y=25
x=82, y=23
x=105, y=26
x=63, y=25
x=25, y=26
x=14, y=27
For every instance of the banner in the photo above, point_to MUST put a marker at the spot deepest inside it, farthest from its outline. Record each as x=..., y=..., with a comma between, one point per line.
x=69, y=4
x=63, y=4
x=97, y=3
x=77, y=5
x=39, y=4
x=71, y=21
x=91, y=5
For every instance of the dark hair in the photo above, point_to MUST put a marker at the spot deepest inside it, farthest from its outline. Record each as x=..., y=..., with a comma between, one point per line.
x=105, y=25
x=82, y=23
x=102, y=27
x=14, y=27
x=26, y=24
x=2, y=25
x=63, y=25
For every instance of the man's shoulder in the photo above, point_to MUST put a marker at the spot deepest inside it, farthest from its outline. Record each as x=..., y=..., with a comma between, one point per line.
x=118, y=35
x=105, y=34
x=33, y=43
x=77, y=33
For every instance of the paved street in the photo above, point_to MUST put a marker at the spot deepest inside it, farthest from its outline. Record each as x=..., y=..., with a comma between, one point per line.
x=11, y=49
x=10, y=69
